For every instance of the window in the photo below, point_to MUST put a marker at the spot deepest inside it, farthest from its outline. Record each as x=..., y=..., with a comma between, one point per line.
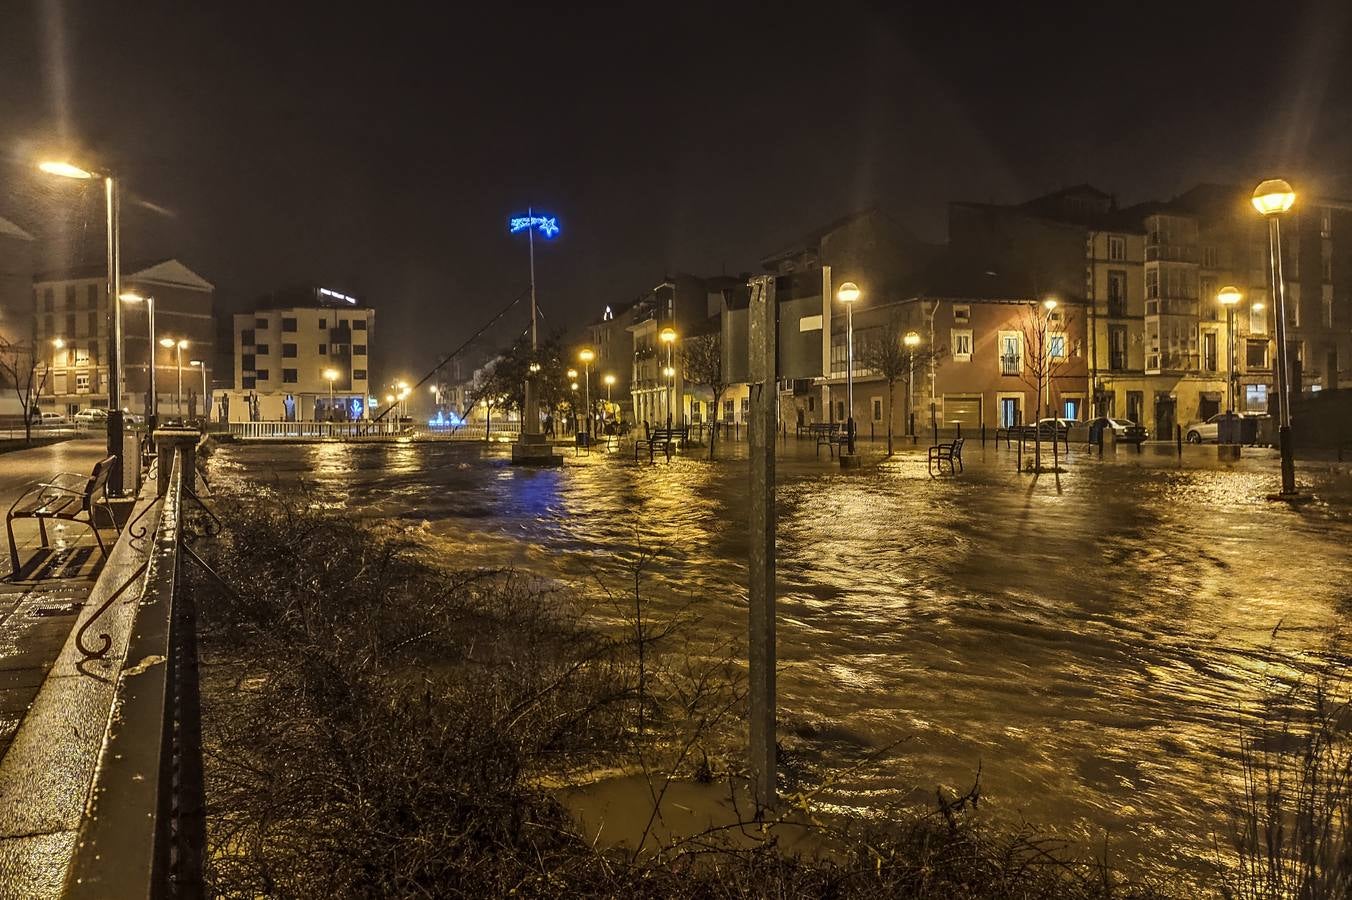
x=289, y=376
x=323, y=323
x=1152, y=284
x=48, y=299
x=262, y=349
x=246, y=362
x=840, y=410
x=1209, y=358
x=1136, y=406
x=727, y=410
x=261, y=374
x=1325, y=223
x=261, y=324
x=1117, y=292
x=358, y=374
x=288, y=351
x=1210, y=258
x=1326, y=308
x=358, y=324
x=323, y=349
x=70, y=324
x=81, y=382
x=82, y=356
x=1056, y=346
x=1256, y=397
x=1211, y=307
x=93, y=322
x=877, y=409
x=746, y=408
x=358, y=349
x=1117, y=247
x=1011, y=353
x=246, y=337
x=248, y=382
x=962, y=312
x=92, y=296
x=1256, y=354
x=289, y=324
x=962, y=345
x=70, y=296
x=1257, y=319
x=811, y=403
x=1117, y=347
x=47, y=325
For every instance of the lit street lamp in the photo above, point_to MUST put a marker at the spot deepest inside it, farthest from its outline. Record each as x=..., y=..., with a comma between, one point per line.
x=1049, y=305
x=668, y=336
x=1272, y=198
x=331, y=375
x=586, y=355
x=114, y=289
x=201, y=364
x=911, y=341
x=178, y=350
x=848, y=294
x=609, y=379
x=152, y=414
x=1228, y=297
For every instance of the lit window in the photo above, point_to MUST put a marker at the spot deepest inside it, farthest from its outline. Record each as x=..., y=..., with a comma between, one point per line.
x=1117, y=247
x=962, y=312
x=1056, y=346
x=962, y=345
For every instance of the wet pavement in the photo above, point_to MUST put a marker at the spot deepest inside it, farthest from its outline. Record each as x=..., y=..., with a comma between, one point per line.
x=1094, y=641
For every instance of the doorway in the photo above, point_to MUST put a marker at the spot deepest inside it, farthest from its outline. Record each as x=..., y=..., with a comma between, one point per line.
x=1009, y=412
x=1164, y=417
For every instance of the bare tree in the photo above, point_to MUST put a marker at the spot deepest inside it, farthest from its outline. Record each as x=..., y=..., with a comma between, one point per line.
x=702, y=362
x=886, y=353
x=1047, y=336
x=19, y=371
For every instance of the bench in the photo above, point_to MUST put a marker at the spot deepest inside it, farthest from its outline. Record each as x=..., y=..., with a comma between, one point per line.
x=829, y=435
x=661, y=438
x=950, y=453
x=68, y=497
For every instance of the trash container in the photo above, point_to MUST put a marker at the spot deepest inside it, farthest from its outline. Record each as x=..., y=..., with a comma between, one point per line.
x=1228, y=429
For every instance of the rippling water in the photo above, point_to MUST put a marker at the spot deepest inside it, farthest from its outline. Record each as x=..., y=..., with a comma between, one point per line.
x=1092, y=644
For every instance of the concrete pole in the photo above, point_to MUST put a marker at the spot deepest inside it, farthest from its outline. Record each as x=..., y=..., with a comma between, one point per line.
x=762, y=333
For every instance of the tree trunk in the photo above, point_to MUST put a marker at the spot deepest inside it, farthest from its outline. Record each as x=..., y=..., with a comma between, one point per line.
x=891, y=398
x=713, y=423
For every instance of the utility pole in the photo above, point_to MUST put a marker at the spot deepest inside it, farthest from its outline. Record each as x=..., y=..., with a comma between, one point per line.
x=762, y=333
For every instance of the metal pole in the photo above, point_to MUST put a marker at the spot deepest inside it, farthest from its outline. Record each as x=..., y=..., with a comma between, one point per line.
x=206, y=407
x=761, y=588
x=670, y=394
x=530, y=423
x=849, y=376
x=1283, y=376
x=152, y=414
x=115, y=448
x=1230, y=365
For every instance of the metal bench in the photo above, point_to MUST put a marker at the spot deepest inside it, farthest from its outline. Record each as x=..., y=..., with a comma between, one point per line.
x=950, y=453
x=68, y=497
x=829, y=435
x=664, y=439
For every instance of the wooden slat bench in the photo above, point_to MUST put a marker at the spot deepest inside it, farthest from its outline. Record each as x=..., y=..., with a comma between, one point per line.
x=68, y=497
x=829, y=435
x=664, y=439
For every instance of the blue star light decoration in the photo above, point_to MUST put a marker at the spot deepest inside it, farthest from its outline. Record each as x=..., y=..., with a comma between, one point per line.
x=547, y=225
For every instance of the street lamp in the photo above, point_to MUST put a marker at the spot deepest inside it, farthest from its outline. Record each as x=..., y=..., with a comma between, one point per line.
x=201, y=364
x=64, y=169
x=586, y=355
x=1049, y=305
x=1272, y=198
x=848, y=293
x=668, y=337
x=911, y=340
x=152, y=414
x=178, y=351
x=1229, y=297
x=331, y=375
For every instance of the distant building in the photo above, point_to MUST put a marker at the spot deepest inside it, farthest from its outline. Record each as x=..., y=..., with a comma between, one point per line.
x=16, y=283
x=73, y=325
x=286, y=349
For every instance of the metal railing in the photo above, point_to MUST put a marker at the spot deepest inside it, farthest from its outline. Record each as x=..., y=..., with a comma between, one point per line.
x=337, y=430
x=143, y=834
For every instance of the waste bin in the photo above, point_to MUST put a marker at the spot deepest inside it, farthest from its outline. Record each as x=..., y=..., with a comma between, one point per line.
x=1228, y=429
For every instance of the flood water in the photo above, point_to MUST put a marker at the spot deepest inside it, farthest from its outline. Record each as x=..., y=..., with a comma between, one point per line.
x=1094, y=645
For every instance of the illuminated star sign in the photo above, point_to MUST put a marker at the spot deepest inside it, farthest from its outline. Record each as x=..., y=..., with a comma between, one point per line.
x=548, y=225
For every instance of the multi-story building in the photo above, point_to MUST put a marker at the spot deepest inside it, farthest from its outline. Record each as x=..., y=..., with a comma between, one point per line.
x=72, y=327
x=16, y=283
x=303, y=354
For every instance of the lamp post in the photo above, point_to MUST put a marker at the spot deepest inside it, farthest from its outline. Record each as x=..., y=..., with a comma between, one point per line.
x=911, y=341
x=1272, y=199
x=331, y=375
x=1228, y=297
x=609, y=379
x=152, y=413
x=530, y=443
x=1050, y=306
x=201, y=364
x=114, y=290
x=586, y=355
x=178, y=351
x=668, y=336
x=848, y=294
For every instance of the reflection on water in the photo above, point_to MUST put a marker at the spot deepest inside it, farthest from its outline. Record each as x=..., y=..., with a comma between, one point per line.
x=1091, y=644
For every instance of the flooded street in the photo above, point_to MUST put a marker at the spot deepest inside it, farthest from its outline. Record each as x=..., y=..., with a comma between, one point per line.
x=1092, y=646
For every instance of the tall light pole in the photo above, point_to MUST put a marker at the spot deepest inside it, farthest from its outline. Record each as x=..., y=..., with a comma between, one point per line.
x=848, y=294
x=609, y=379
x=201, y=364
x=1272, y=199
x=530, y=443
x=1228, y=297
x=668, y=337
x=586, y=355
x=114, y=290
x=1050, y=306
x=331, y=375
x=911, y=341
x=152, y=412
x=178, y=355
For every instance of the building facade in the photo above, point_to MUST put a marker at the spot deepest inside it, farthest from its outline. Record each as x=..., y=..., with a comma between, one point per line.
x=302, y=355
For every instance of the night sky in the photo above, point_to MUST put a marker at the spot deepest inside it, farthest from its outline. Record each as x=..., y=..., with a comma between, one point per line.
x=378, y=148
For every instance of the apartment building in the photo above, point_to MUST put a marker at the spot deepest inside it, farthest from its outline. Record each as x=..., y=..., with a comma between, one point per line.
x=302, y=354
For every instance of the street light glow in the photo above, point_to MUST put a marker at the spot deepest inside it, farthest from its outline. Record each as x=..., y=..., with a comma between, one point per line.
x=911, y=339
x=572, y=373
x=129, y=297
x=586, y=355
x=1049, y=304
x=64, y=169
x=574, y=385
x=1229, y=295
x=1273, y=197
x=166, y=342
x=669, y=372
x=609, y=379
x=58, y=343
x=667, y=334
x=848, y=292
x=194, y=362
x=331, y=374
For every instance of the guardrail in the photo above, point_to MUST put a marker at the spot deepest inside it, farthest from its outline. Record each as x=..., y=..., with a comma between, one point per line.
x=143, y=834
x=313, y=430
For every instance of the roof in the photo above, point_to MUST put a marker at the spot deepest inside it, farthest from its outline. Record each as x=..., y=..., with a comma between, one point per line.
x=957, y=275
x=9, y=228
x=309, y=296
x=813, y=238
x=164, y=271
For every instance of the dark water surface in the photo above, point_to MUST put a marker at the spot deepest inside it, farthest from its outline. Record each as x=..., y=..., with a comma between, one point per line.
x=1095, y=646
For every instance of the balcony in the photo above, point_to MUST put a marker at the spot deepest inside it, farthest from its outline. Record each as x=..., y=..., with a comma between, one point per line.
x=1011, y=365
x=1185, y=253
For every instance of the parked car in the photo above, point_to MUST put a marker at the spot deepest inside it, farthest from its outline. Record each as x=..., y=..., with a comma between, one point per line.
x=1045, y=426
x=50, y=420
x=1127, y=431
x=1209, y=430
x=92, y=416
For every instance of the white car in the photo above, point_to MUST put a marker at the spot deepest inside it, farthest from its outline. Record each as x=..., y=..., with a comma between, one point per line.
x=50, y=420
x=91, y=417
x=1209, y=430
